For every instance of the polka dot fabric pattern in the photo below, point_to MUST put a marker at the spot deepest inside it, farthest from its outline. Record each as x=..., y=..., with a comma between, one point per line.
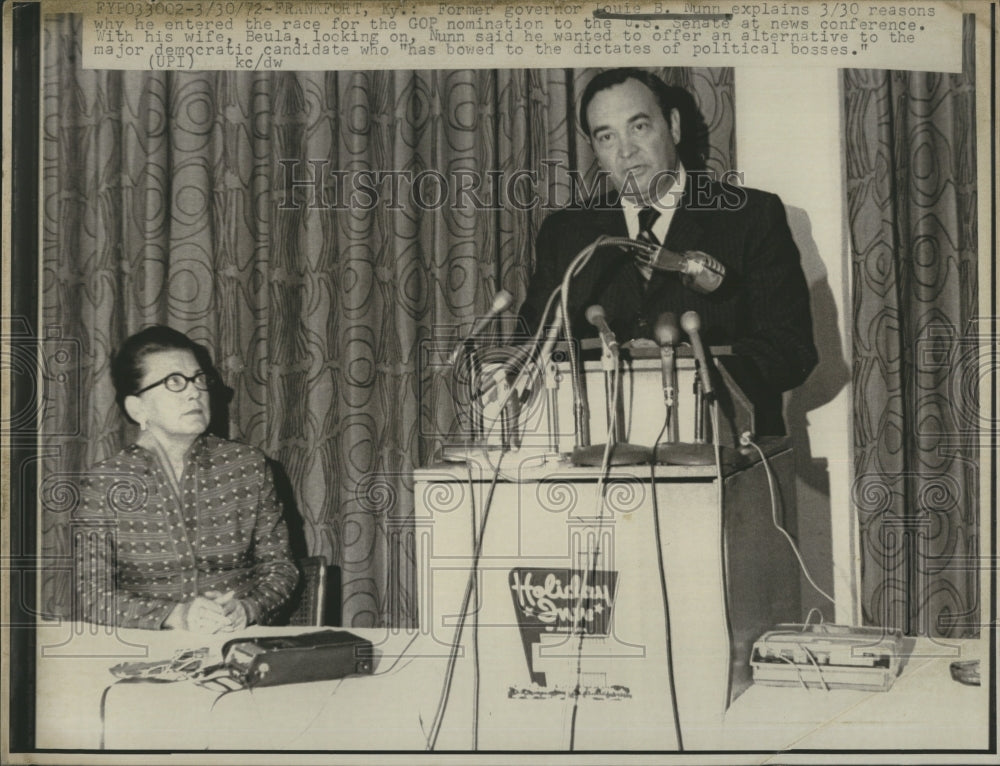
x=223, y=532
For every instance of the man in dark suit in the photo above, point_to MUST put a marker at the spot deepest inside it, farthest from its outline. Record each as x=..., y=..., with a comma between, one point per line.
x=646, y=136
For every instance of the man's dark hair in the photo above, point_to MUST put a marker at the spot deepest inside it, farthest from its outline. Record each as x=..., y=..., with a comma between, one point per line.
x=693, y=146
x=128, y=365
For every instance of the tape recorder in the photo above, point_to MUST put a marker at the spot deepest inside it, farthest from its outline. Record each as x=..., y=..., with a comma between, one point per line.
x=828, y=656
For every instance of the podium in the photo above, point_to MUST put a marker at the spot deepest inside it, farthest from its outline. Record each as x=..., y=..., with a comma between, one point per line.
x=608, y=611
x=727, y=573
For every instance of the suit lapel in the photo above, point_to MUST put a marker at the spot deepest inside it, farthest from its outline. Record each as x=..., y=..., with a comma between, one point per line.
x=684, y=233
x=609, y=221
x=610, y=272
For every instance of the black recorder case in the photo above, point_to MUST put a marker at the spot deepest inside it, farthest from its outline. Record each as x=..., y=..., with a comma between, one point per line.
x=276, y=660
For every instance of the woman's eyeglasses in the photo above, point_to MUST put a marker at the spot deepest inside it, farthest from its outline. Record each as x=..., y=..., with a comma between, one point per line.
x=177, y=382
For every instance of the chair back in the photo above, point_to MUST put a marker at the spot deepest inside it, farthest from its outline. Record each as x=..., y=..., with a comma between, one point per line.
x=311, y=608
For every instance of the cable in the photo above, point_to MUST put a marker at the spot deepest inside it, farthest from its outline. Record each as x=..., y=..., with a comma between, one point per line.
x=463, y=612
x=475, y=618
x=663, y=430
x=103, y=708
x=819, y=671
x=563, y=292
x=398, y=657
x=720, y=507
x=580, y=414
x=674, y=708
x=662, y=569
x=226, y=693
x=798, y=671
x=477, y=542
x=777, y=524
x=591, y=573
x=811, y=612
x=107, y=690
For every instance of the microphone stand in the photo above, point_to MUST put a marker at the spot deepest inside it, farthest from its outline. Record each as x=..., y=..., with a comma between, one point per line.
x=466, y=350
x=551, y=376
x=552, y=395
x=471, y=360
x=621, y=452
x=581, y=410
x=699, y=410
x=667, y=335
x=609, y=362
x=698, y=452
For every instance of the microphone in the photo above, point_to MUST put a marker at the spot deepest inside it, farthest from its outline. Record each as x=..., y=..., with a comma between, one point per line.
x=501, y=302
x=552, y=337
x=684, y=453
x=548, y=366
x=667, y=336
x=700, y=271
x=619, y=452
x=691, y=324
x=515, y=359
x=595, y=315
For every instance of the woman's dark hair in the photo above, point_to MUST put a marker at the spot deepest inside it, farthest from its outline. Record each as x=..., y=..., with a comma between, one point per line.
x=693, y=146
x=127, y=367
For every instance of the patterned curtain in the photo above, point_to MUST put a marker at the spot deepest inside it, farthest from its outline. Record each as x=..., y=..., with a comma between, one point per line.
x=911, y=187
x=215, y=202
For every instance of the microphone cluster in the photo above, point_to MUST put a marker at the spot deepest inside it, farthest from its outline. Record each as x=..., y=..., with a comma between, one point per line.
x=699, y=271
x=501, y=302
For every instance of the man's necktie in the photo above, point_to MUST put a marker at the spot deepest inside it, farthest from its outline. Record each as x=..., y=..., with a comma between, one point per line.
x=647, y=218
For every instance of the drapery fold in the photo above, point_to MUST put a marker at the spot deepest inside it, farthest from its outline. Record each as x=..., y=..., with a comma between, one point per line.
x=215, y=202
x=912, y=206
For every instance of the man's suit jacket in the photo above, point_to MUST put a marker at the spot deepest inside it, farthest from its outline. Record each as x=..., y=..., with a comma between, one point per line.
x=762, y=308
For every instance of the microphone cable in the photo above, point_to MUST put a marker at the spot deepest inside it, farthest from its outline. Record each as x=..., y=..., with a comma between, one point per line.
x=591, y=572
x=399, y=657
x=717, y=449
x=579, y=261
x=674, y=709
x=777, y=523
x=582, y=414
x=474, y=574
x=713, y=410
x=663, y=430
x=471, y=582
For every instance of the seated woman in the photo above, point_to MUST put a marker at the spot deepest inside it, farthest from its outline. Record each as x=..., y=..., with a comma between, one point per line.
x=183, y=529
